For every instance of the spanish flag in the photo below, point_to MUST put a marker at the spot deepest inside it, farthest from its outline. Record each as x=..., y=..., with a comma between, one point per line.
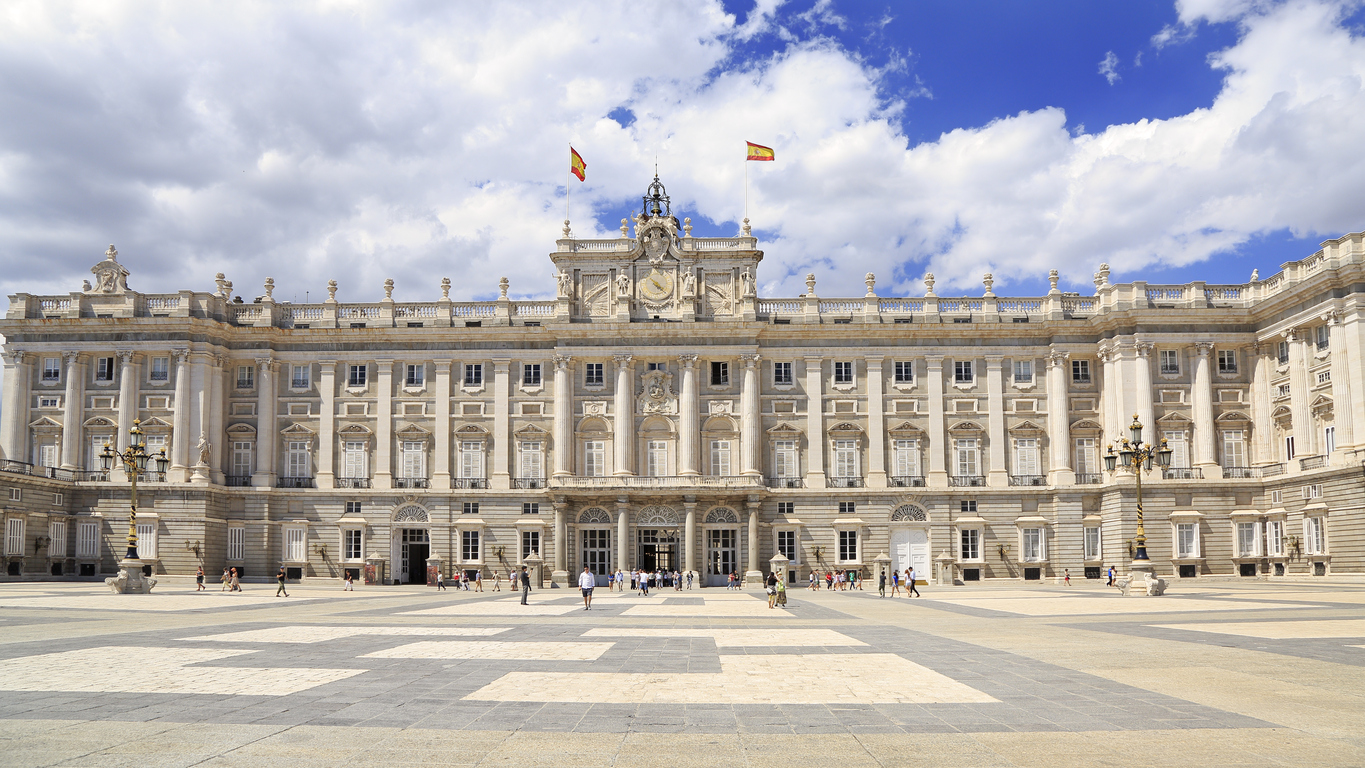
x=759, y=152
x=576, y=165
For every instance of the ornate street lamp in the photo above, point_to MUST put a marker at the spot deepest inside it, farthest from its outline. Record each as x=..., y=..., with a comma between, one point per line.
x=1135, y=455
x=134, y=459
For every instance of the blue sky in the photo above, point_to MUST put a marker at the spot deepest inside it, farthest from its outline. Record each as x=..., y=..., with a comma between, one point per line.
x=420, y=139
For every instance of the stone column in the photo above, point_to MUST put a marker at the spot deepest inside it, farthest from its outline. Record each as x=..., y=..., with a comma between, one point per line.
x=1262, y=447
x=689, y=422
x=999, y=474
x=1202, y=396
x=267, y=435
x=624, y=438
x=750, y=463
x=327, y=426
x=1058, y=429
x=127, y=406
x=563, y=423
x=502, y=424
x=74, y=411
x=1342, y=409
x=1113, y=408
x=199, y=423
x=938, y=433
x=560, y=575
x=1146, y=413
x=690, y=534
x=440, y=472
x=753, y=577
x=1299, y=356
x=876, y=423
x=622, y=531
x=217, y=436
x=14, y=415
x=383, y=424
x=180, y=420
x=815, y=423
x=1355, y=356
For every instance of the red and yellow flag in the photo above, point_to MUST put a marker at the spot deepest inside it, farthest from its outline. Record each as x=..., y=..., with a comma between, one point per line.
x=576, y=165
x=759, y=152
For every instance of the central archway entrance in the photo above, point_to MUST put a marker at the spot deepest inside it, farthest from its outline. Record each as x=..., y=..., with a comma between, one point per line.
x=657, y=543
x=722, y=546
x=410, y=544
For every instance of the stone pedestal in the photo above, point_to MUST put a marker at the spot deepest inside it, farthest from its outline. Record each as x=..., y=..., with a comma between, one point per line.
x=1142, y=581
x=945, y=569
x=130, y=580
x=200, y=474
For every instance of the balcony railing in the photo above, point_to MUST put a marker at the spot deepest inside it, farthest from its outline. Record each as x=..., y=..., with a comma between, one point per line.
x=907, y=481
x=785, y=482
x=411, y=482
x=151, y=477
x=239, y=481
x=295, y=482
x=1241, y=473
x=350, y=482
x=846, y=482
x=470, y=482
x=674, y=482
x=1182, y=473
x=35, y=470
x=1028, y=480
x=96, y=476
x=1313, y=462
x=1271, y=470
x=966, y=481
x=1089, y=478
x=528, y=482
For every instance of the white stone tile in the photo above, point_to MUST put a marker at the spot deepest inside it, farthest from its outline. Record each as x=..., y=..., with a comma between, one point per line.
x=312, y=634
x=485, y=649
x=1280, y=630
x=739, y=638
x=153, y=602
x=496, y=608
x=718, y=609
x=1113, y=604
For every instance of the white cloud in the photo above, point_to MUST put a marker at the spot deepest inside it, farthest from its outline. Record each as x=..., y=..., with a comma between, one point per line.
x=1109, y=67
x=363, y=142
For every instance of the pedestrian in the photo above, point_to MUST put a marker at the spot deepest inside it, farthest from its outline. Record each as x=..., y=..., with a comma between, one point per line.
x=586, y=581
x=811, y=585
x=643, y=580
x=677, y=581
x=478, y=580
x=910, y=590
x=689, y=579
x=227, y=580
x=199, y=580
x=611, y=581
x=881, y=584
x=350, y=583
x=467, y=578
x=440, y=581
x=829, y=580
x=497, y=581
x=781, y=593
x=1110, y=583
x=1066, y=576
x=525, y=585
x=280, y=578
x=235, y=581
x=771, y=588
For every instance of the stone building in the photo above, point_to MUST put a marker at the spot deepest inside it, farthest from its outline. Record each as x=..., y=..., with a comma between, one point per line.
x=658, y=413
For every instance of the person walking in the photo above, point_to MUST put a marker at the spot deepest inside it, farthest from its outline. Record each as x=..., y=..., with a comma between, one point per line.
x=586, y=581
x=770, y=586
x=440, y=581
x=811, y=585
x=781, y=593
x=910, y=590
x=1110, y=583
x=280, y=578
x=881, y=584
x=689, y=579
x=525, y=585
x=643, y=580
x=478, y=580
x=199, y=580
x=227, y=580
x=1066, y=577
x=349, y=583
x=895, y=583
x=234, y=582
x=497, y=581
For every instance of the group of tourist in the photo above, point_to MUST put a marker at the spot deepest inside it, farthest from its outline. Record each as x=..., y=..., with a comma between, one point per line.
x=838, y=581
x=897, y=578
x=777, y=590
x=642, y=581
x=461, y=579
x=231, y=581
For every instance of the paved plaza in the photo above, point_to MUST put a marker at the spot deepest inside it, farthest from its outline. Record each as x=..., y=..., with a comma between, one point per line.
x=1243, y=673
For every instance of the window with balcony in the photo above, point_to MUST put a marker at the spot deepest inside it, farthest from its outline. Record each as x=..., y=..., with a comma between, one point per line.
x=1026, y=467
x=1227, y=361
x=473, y=375
x=1234, y=448
x=782, y=374
x=104, y=369
x=905, y=460
x=785, y=461
x=52, y=368
x=1329, y=439
x=1274, y=538
x=413, y=466
x=531, y=463
x=656, y=458
x=592, y=375
x=903, y=372
x=471, y=460
x=414, y=374
x=161, y=369
x=1087, y=460
x=1080, y=371
x=1288, y=447
x=246, y=377
x=1282, y=352
x=843, y=373
x=1322, y=336
x=1170, y=362
x=357, y=375
x=720, y=374
x=963, y=373
x=720, y=458
x=530, y=375
x=1023, y=371
x=300, y=376
x=595, y=458
x=846, y=459
x=966, y=454
x=242, y=451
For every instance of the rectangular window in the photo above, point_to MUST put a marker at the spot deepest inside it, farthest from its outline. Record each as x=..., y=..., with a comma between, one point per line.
x=146, y=540
x=47, y=455
x=1313, y=491
x=414, y=459
x=241, y=458
x=720, y=458
x=782, y=373
x=967, y=507
x=470, y=508
x=1092, y=542
x=1080, y=371
x=1033, y=544
x=595, y=458
x=530, y=375
x=300, y=376
x=1329, y=439
x=350, y=548
x=473, y=375
x=236, y=546
x=531, y=462
x=971, y=543
x=903, y=372
x=161, y=369
x=786, y=544
x=469, y=546
x=87, y=540
x=1283, y=352
x=530, y=543
x=52, y=368
x=295, y=544
x=1282, y=390
x=720, y=374
x=966, y=458
x=785, y=459
x=1170, y=361
x=1026, y=456
x=1227, y=361
x=353, y=507
x=355, y=461
x=848, y=546
x=14, y=536
x=1246, y=540
x=1180, y=449
x=786, y=507
x=1186, y=540
x=104, y=369
x=656, y=458
x=414, y=374
x=1234, y=448
x=357, y=375
x=530, y=507
x=246, y=376
x=962, y=372
x=1274, y=537
x=848, y=507
x=592, y=375
x=1323, y=336
x=846, y=458
x=906, y=458
x=298, y=463
x=56, y=538
x=1314, y=539
x=843, y=373
x=1277, y=497
x=471, y=460
x=1288, y=447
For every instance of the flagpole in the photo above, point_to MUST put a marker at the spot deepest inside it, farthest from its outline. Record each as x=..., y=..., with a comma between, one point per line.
x=746, y=181
x=568, y=185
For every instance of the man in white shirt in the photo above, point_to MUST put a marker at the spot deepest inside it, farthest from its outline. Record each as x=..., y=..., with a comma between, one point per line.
x=586, y=581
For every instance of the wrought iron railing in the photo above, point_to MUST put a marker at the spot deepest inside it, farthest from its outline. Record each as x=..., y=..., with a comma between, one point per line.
x=846, y=482
x=966, y=481
x=1241, y=473
x=294, y=482
x=470, y=482
x=239, y=481
x=528, y=482
x=907, y=481
x=1182, y=473
x=1028, y=480
x=1089, y=478
x=351, y=482
x=785, y=482
x=411, y=482
x=1313, y=462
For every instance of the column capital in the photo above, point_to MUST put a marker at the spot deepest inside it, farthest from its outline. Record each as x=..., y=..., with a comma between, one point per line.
x=15, y=356
x=125, y=356
x=1057, y=358
x=817, y=359
x=1203, y=348
x=443, y=366
x=266, y=364
x=874, y=362
x=562, y=362
x=993, y=362
x=75, y=357
x=1144, y=348
x=1334, y=317
x=688, y=361
x=622, y=361
x=182, y=355
x=750, y=361
x=934, y=361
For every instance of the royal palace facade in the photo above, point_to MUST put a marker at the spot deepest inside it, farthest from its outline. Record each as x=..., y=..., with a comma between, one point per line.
x=658, y=413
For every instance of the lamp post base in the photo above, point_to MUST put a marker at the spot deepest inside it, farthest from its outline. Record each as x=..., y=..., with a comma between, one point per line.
x=1142, y=581
x=130, y=580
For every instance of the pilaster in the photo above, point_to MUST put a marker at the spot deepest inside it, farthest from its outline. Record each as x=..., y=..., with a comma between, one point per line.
x=502, y=429
x=623, y=437
x=938, y=433
x=440, y=475
x=689, y=424
x=327, y=390
x=563, y=418
x=998, y=476
x=876, y=421
x=383, y=425
x=815, y=423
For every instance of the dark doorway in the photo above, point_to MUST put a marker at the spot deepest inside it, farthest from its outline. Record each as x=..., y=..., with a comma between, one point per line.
x=658, y=549
x=416, y=550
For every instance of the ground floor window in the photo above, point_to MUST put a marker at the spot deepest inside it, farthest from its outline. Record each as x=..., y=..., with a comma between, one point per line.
x=1274, y=537
x=87, y=540
x=1032, y=544
x=971, y=544
x=146, y=540
x=469, y=546
x=848, y=546
x=236, y=546
x=1092, y=542
x=1246, y=540
x=597, y=551
x=56, y=534
x=786, y=544
x=1314, y=539
x=295, y=544
x=351, y=544
x=530, y=543
x=1186, y=540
